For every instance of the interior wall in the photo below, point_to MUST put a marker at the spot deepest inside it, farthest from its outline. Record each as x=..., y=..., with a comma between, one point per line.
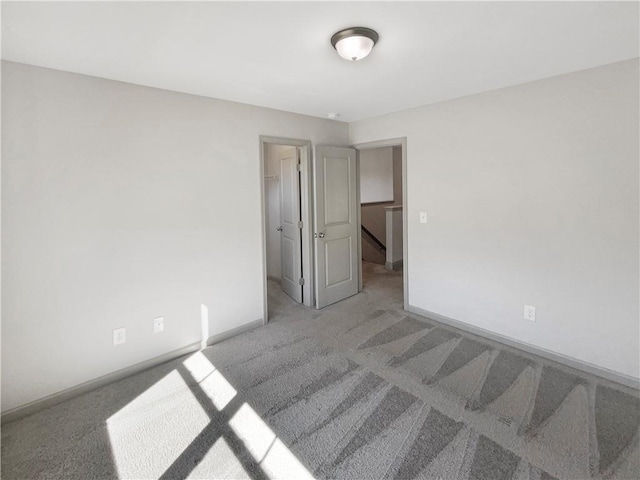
x=396, y=155
x=122, y=203
x=394, y=236
x=376, y=175
x=373, y=219
x=532, y=198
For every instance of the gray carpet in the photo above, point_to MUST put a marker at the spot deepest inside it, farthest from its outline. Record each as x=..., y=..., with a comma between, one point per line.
x=359, y=390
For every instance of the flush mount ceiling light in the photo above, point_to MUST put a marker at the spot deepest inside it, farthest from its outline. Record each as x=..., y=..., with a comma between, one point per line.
x=354, y=43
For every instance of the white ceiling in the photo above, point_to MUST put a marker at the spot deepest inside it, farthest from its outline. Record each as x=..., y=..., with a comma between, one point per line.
x=278, y=55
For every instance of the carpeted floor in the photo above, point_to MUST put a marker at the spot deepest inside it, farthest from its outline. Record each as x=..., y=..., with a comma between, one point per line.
x=359, y=390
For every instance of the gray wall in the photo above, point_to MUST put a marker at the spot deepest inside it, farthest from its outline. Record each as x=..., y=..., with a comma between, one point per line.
x=122, y=203
x=397, y=175
x=376, y=175
x=532, y=198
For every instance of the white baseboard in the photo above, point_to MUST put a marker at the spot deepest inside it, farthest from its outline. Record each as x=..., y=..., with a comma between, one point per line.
x=235, y=331
x=610, y=375
x=51, y=400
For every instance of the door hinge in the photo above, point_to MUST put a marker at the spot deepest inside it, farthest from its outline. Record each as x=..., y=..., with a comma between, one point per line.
x=299, y=224
x=297, y=166
x=301, y=281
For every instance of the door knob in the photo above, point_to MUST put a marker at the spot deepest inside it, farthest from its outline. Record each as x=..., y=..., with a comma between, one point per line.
x=321, y=235
x=279, y=229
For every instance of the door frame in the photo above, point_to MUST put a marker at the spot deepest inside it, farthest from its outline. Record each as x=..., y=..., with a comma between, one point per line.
x=305, y=211
x=391, y=142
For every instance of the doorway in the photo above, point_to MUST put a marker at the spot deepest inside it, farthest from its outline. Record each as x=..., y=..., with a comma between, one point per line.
x=286, y=219
x=321, y=196
x=383, y=218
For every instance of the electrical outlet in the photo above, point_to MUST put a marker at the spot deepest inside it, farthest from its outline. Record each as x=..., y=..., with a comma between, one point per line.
x=423, y=217
x=158, y=324
x=530, y=313
x=119, y=336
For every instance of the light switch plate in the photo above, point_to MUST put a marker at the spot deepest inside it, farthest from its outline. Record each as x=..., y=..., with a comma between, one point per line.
x=423, y=217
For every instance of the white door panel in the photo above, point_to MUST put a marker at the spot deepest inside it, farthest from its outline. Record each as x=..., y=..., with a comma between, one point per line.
x=290, y=236
x=336, y=224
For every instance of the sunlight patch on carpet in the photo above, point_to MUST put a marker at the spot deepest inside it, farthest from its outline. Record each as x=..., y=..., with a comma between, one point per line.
x=220, y=462
x=218, y=389
x=142, y=445
x=265, y=447
x=279, y=462
x=252, y=431
x=199, y=366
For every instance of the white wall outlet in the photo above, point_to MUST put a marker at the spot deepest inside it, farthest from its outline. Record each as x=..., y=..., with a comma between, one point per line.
x=119, y=336
x=530, y=313
x=423, y=217
x=158, y=324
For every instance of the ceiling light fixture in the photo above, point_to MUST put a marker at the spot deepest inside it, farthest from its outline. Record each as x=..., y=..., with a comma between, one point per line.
x=354, y=43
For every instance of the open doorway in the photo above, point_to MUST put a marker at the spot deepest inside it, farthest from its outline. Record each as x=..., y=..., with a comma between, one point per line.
x=324, y=253
x=382, y=180
x=286, y=225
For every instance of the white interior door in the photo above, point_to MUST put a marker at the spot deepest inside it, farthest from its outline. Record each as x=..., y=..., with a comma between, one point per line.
x=290, y=234
x=336, y=228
